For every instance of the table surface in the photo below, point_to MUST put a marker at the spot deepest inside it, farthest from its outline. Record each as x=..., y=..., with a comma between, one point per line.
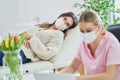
x=27, y=77
x=30, y=76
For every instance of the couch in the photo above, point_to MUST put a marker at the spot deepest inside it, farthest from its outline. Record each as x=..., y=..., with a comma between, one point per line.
x=63, y=58
x=115, y=29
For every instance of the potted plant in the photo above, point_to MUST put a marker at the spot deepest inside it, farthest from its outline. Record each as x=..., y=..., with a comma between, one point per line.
x=102, y=7
x=12, y=62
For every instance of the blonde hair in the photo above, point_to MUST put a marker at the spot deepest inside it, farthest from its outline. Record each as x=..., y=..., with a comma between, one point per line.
x=90, y=16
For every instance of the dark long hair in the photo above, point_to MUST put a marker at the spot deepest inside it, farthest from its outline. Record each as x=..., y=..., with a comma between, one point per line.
x=67, y=14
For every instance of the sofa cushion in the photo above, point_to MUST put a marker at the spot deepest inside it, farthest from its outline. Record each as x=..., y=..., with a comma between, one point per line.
x=68, y=49
x=37, y=66
x=115, y=29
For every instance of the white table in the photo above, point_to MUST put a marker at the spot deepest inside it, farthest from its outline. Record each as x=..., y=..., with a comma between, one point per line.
x=31, y=76
x=28, y=77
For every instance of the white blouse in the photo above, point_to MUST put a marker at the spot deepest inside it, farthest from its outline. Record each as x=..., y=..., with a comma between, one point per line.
x=44, y=44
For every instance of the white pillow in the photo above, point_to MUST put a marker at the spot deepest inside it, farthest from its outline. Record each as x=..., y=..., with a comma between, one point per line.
x=69, y=48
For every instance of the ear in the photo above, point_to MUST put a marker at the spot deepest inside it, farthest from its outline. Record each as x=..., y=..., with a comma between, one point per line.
x=101, y=28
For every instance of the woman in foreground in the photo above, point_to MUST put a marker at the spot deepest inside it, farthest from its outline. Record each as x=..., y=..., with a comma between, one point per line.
x=99, y=51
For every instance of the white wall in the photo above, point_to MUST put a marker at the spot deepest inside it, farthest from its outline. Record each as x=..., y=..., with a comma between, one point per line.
x=117, y=5
x=24, y=11
x=8, y=15
x=46, y=10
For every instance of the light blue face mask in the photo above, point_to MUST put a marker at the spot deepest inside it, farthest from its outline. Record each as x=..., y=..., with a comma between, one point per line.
x=89, y=37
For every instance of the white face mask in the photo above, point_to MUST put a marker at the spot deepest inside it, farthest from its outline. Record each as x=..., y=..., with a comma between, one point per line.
x=60, y=24
x=89, y=37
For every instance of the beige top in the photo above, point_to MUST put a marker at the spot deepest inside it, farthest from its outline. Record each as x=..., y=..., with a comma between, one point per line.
x=44, y=44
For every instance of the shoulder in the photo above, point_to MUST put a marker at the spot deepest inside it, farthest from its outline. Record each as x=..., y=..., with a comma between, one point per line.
x=82, y=46
x=111, y=39
x=33, y=29
x=56, y=33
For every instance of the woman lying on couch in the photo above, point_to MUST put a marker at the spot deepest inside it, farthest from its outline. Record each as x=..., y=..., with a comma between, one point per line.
x=44, y=40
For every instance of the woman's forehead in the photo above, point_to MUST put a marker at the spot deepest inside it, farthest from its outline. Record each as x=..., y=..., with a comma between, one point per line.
x=86, y=25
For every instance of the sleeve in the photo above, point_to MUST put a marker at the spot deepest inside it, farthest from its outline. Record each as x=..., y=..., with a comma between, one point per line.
x=78, y=55
x=46, y=51
x=113, y=56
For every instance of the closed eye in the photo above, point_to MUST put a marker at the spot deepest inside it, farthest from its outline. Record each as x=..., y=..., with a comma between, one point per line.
x=65, y=18
x=67, y=24
x=89, y=30
x=82, y=31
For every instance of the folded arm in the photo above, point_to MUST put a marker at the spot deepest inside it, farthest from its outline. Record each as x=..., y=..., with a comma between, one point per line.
x=46, y=51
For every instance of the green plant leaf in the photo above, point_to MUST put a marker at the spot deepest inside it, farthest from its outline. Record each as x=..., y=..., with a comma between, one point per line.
x=118, y=11
x=102, y=7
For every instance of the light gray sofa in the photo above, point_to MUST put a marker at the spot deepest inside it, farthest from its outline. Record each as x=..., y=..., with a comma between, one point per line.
x=63, y=58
